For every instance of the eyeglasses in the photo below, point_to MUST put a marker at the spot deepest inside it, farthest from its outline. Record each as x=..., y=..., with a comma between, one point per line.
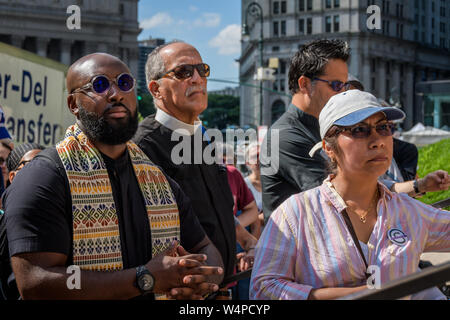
x=363, y=130
x=101, y=84
x=185, y=71
x=336, y=85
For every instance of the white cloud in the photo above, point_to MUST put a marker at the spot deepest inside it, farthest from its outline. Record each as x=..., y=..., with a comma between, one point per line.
x=208, y=20
x=193, y=8
x=160, y=19
x=228, y=41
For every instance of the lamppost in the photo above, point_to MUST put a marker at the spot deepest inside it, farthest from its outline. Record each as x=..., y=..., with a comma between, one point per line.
x=255, y=10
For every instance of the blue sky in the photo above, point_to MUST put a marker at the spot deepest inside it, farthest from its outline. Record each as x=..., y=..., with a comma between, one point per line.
x=212, y=26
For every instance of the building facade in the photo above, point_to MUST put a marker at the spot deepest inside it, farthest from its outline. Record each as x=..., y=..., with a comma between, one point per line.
x=145, y=47
x=40, y=26
x=411, y=45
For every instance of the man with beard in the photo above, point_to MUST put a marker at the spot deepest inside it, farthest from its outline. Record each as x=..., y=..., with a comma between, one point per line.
x=98, y=205
x=176, y=78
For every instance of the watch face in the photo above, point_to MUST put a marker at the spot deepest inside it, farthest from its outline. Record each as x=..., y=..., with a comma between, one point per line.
x=146, y=282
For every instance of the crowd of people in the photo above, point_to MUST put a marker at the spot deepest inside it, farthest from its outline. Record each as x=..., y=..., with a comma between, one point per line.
x=111, y=200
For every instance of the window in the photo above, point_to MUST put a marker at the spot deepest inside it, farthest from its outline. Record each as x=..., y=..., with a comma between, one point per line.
x=301, y=26
x=442, y=27
x=432, y=6
x=328, y=4
x=442, y=43
x=283, y=6
x=388, y=67
x=309, y=5
x=337, y=3
x=276, y=7
x=432, y=23
x=373, y=65
x=275, y=49
x=328, y=24
x=309, y=26
x=336, y=23
x=442, y=11
x=282, y=67
x=301, y=5
x=283, y=28
x=275, y=28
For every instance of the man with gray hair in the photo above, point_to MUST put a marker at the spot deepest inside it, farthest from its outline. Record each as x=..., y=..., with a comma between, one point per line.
x=176, y=78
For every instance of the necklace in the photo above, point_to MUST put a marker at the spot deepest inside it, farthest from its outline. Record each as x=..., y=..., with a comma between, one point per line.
x=372, y=203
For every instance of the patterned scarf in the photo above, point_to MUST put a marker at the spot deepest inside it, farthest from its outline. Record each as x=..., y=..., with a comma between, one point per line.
x=96, y=237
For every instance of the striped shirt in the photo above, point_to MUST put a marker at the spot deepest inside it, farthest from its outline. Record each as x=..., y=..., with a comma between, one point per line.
x=306, y=243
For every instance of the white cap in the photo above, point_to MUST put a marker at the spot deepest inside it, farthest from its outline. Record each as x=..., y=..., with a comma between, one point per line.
x=349, y=108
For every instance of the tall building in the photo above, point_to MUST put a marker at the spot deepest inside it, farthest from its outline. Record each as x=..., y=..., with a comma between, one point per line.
x=145, y=47
x=411, y=45
x=40, y=26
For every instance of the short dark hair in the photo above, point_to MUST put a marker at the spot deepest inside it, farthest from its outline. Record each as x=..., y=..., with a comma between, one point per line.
x=311, y=59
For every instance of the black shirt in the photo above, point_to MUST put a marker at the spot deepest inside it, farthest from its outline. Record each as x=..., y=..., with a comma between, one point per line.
x=206, y=186
x=39, y=215
x=406, y=157
x=297, y=171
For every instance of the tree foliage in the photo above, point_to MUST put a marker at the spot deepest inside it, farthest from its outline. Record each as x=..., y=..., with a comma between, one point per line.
x=222, y=111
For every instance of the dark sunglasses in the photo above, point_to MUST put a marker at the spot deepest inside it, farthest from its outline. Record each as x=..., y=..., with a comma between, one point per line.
x=185, y=71
x=336, y=85
x=363, y=130
x=101, y=84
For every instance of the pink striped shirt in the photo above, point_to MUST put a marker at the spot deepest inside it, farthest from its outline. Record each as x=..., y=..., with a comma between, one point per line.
x=306, y=243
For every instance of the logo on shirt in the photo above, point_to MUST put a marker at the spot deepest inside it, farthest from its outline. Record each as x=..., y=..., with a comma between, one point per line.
x=397, y=237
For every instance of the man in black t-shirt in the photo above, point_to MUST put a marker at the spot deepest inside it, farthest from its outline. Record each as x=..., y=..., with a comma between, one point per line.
x=45, y=206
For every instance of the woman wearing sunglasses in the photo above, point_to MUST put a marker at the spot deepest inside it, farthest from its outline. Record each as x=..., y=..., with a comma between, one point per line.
x=335, y=239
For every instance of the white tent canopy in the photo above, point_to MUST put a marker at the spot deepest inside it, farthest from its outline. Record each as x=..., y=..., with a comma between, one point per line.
x=422, y=135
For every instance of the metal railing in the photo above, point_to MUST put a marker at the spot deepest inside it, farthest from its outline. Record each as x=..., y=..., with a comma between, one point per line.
x=427, y=278
x=442, y=204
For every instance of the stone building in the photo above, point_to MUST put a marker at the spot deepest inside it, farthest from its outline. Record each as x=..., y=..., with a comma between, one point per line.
x=40, y=26
x=411, y=46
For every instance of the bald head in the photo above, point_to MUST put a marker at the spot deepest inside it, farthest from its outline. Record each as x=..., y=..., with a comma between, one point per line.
x=82, y=70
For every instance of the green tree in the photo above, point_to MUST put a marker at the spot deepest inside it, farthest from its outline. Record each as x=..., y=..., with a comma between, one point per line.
x=145, y=104
x=222, y=111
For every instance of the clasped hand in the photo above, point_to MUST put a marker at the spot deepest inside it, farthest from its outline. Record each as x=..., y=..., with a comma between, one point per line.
x=181, y=275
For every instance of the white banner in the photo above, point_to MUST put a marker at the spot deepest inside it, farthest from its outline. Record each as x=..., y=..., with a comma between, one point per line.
x=34, y=99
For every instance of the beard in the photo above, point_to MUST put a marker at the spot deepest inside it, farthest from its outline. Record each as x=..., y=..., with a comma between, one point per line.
x=97, y=128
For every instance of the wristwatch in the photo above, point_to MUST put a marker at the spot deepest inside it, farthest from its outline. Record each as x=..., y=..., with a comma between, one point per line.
x=416, y=188
x=144, y=280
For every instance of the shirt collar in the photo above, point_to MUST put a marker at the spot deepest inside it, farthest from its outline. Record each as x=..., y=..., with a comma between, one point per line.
x=173, y=123
x=307, y=119
x=334, y=199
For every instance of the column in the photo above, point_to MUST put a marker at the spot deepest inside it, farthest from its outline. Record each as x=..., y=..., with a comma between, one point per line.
x=437, y=113
x=133, y=61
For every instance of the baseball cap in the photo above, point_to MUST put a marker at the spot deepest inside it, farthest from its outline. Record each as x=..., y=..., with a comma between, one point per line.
x=13, y=160
x=349, y=108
